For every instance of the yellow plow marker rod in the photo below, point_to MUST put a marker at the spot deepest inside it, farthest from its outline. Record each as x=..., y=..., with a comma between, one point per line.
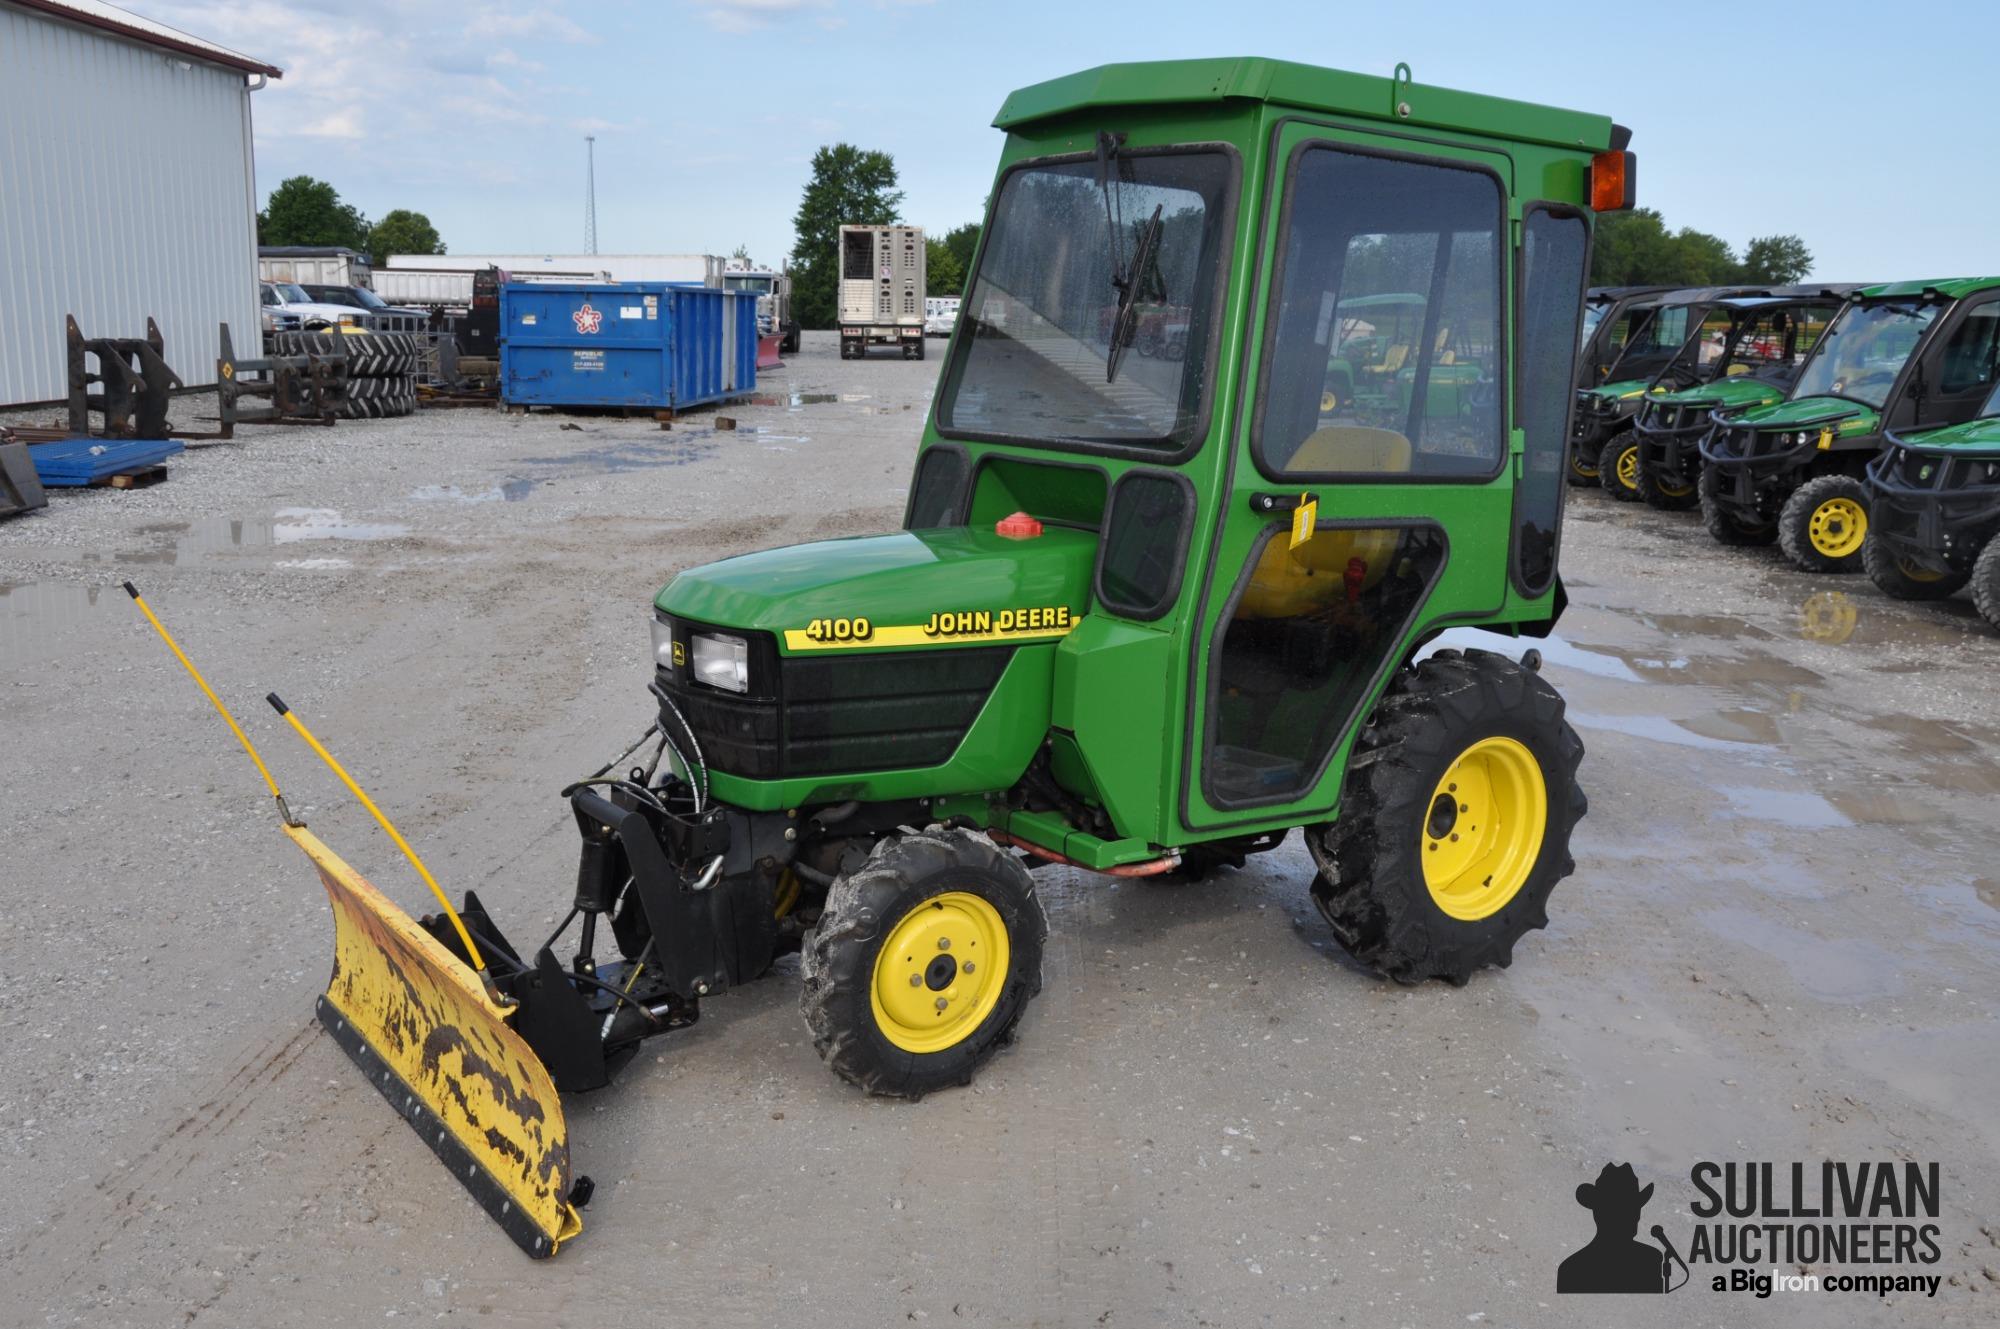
x=427, y=1035
x=213, y=700
x=388, y=828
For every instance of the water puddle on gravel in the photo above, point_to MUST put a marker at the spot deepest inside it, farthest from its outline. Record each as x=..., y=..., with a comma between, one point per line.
x=639, y=454
x=1660, y=729
x=796, y=400
x=1834, y=969
x=507, y=491
x=188, y=543
x=1797, y=808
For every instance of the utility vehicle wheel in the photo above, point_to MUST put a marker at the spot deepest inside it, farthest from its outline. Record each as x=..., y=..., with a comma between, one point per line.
x=1583, y=462
x=922, y=962
x=1986, y=583
x=1659, y=492
x=1901, y=579
x=1455, y=820
x=1824, y=524
x=1722, y=523
x=1618, y=467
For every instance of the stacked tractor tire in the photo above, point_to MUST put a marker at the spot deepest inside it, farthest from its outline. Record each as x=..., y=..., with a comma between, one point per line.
x=381, y=368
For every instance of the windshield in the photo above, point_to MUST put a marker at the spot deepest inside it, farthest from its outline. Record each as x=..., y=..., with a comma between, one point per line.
x=1592, y=316
x=292, y=293
x=369, y=299
x=1864, y=350
x=761, y=285
x=1035, y=334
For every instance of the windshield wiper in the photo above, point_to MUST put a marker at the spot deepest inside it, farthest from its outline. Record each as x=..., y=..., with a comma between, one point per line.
x=1124, y=325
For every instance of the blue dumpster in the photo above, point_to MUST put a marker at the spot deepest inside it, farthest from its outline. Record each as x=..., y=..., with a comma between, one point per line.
x=648, y=345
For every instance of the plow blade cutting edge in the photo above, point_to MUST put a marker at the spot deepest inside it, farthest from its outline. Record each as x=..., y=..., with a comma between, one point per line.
x=424, y=1031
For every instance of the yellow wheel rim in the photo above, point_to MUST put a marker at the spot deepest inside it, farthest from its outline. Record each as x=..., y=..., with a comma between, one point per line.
x=1483, y=830
x=1837, y=527
x=1828, y=616
x=1628, y=467
x=1917, y=572
x=940, y=972
x=1327, y=403
x=1672, y=490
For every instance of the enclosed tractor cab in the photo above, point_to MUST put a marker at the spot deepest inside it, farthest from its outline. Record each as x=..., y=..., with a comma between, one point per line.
x=1906, y=356
x=1146, y=615
x=1934, y=512
x=1747, y=352
x=1660, y=326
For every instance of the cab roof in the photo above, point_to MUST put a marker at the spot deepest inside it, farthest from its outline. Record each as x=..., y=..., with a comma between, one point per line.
x=1696, y=295
x=1946, y=288
x=1281, y=82
x=1792, y=295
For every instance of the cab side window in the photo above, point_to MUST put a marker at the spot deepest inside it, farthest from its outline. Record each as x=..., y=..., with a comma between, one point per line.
x=1967, y=363
x=1382, y=356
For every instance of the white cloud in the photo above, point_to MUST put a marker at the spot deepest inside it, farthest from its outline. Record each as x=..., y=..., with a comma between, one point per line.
x=740, y=16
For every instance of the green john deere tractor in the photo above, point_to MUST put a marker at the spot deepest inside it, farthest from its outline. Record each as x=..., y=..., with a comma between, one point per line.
x=1905, y=356
x=1146, y=615
x=1747, y=352
x=1661, y=325
x=1934, y=512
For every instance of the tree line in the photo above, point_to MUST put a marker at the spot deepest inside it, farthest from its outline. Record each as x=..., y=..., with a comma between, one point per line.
x=1636, y=249
x=305, y=211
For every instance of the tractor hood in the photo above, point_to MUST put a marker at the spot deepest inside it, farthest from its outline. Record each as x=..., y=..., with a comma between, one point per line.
x=1837, y=413
x=1724, y=394
x=953, y=586
x=1630, y=389
x=1973, y=438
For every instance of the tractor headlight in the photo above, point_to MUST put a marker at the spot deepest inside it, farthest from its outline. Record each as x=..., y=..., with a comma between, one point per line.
x=663, y=642
x=722, y=662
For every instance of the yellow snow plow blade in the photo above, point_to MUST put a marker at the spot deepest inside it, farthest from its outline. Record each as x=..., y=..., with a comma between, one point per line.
x=422, y=1028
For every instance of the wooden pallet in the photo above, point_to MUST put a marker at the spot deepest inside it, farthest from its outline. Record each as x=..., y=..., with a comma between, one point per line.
x=143, y=478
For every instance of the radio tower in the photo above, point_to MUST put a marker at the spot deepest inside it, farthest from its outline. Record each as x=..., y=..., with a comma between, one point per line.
x=590, y=192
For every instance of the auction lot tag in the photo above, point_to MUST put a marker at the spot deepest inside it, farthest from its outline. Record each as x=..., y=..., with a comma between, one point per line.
x=1304, y=517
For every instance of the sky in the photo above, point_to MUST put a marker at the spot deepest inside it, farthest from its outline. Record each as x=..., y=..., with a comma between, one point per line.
x=1849, y=125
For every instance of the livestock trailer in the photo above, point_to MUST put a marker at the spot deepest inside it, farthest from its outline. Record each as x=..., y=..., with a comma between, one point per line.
x=882, y=288
x=641, y=345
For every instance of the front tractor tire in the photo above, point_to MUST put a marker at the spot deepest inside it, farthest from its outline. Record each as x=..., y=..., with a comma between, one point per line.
x=1583, y=463
x=1722, y=522
x=1618, y=465
x=1824, y=524
x=1455, y=820
x=922, y=962
x=1903, y=579
x=1655, y=490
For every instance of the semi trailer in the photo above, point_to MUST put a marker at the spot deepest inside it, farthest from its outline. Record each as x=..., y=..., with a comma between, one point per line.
x=882, y=289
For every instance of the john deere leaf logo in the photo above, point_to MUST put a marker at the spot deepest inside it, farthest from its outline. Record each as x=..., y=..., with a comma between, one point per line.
x=1925, y=473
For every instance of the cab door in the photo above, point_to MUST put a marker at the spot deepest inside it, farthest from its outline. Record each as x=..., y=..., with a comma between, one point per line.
x=1377, y=399
x=1958, y=367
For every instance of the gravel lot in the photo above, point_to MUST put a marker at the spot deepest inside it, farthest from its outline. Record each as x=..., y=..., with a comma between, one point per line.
x=1780, y=942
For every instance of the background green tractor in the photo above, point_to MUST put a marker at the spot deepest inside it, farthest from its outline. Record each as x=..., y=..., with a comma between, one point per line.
x=1147, y=614
x=1934, y=512
x=1902, y=356
x=1660, y=325
x=1748, y=351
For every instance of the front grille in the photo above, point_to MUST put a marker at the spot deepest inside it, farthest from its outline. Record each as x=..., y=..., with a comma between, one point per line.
x=840, y=714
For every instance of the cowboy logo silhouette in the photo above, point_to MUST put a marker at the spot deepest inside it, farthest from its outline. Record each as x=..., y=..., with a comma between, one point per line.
x=1615, y=1260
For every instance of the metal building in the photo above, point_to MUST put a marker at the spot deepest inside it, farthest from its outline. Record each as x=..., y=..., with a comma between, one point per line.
x=127, y=189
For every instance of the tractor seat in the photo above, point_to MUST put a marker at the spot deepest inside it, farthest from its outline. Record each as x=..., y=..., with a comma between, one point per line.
x=1344, y=448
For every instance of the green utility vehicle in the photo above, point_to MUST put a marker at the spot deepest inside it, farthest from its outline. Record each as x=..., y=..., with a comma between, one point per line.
x=1610, y=316
x=1604, y=410
x=1146, y=615
x=1909, y=355
x=1747, y=352
x=1934, y=512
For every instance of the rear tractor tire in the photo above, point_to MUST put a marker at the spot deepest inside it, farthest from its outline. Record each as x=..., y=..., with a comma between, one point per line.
x=1618, y=465
x=1824, y=524
x=1901, y=579
x=1455, y=820
x=922, y=962
x=1723, y=524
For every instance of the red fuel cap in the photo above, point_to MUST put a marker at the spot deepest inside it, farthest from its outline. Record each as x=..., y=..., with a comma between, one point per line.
x=1019, y=526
